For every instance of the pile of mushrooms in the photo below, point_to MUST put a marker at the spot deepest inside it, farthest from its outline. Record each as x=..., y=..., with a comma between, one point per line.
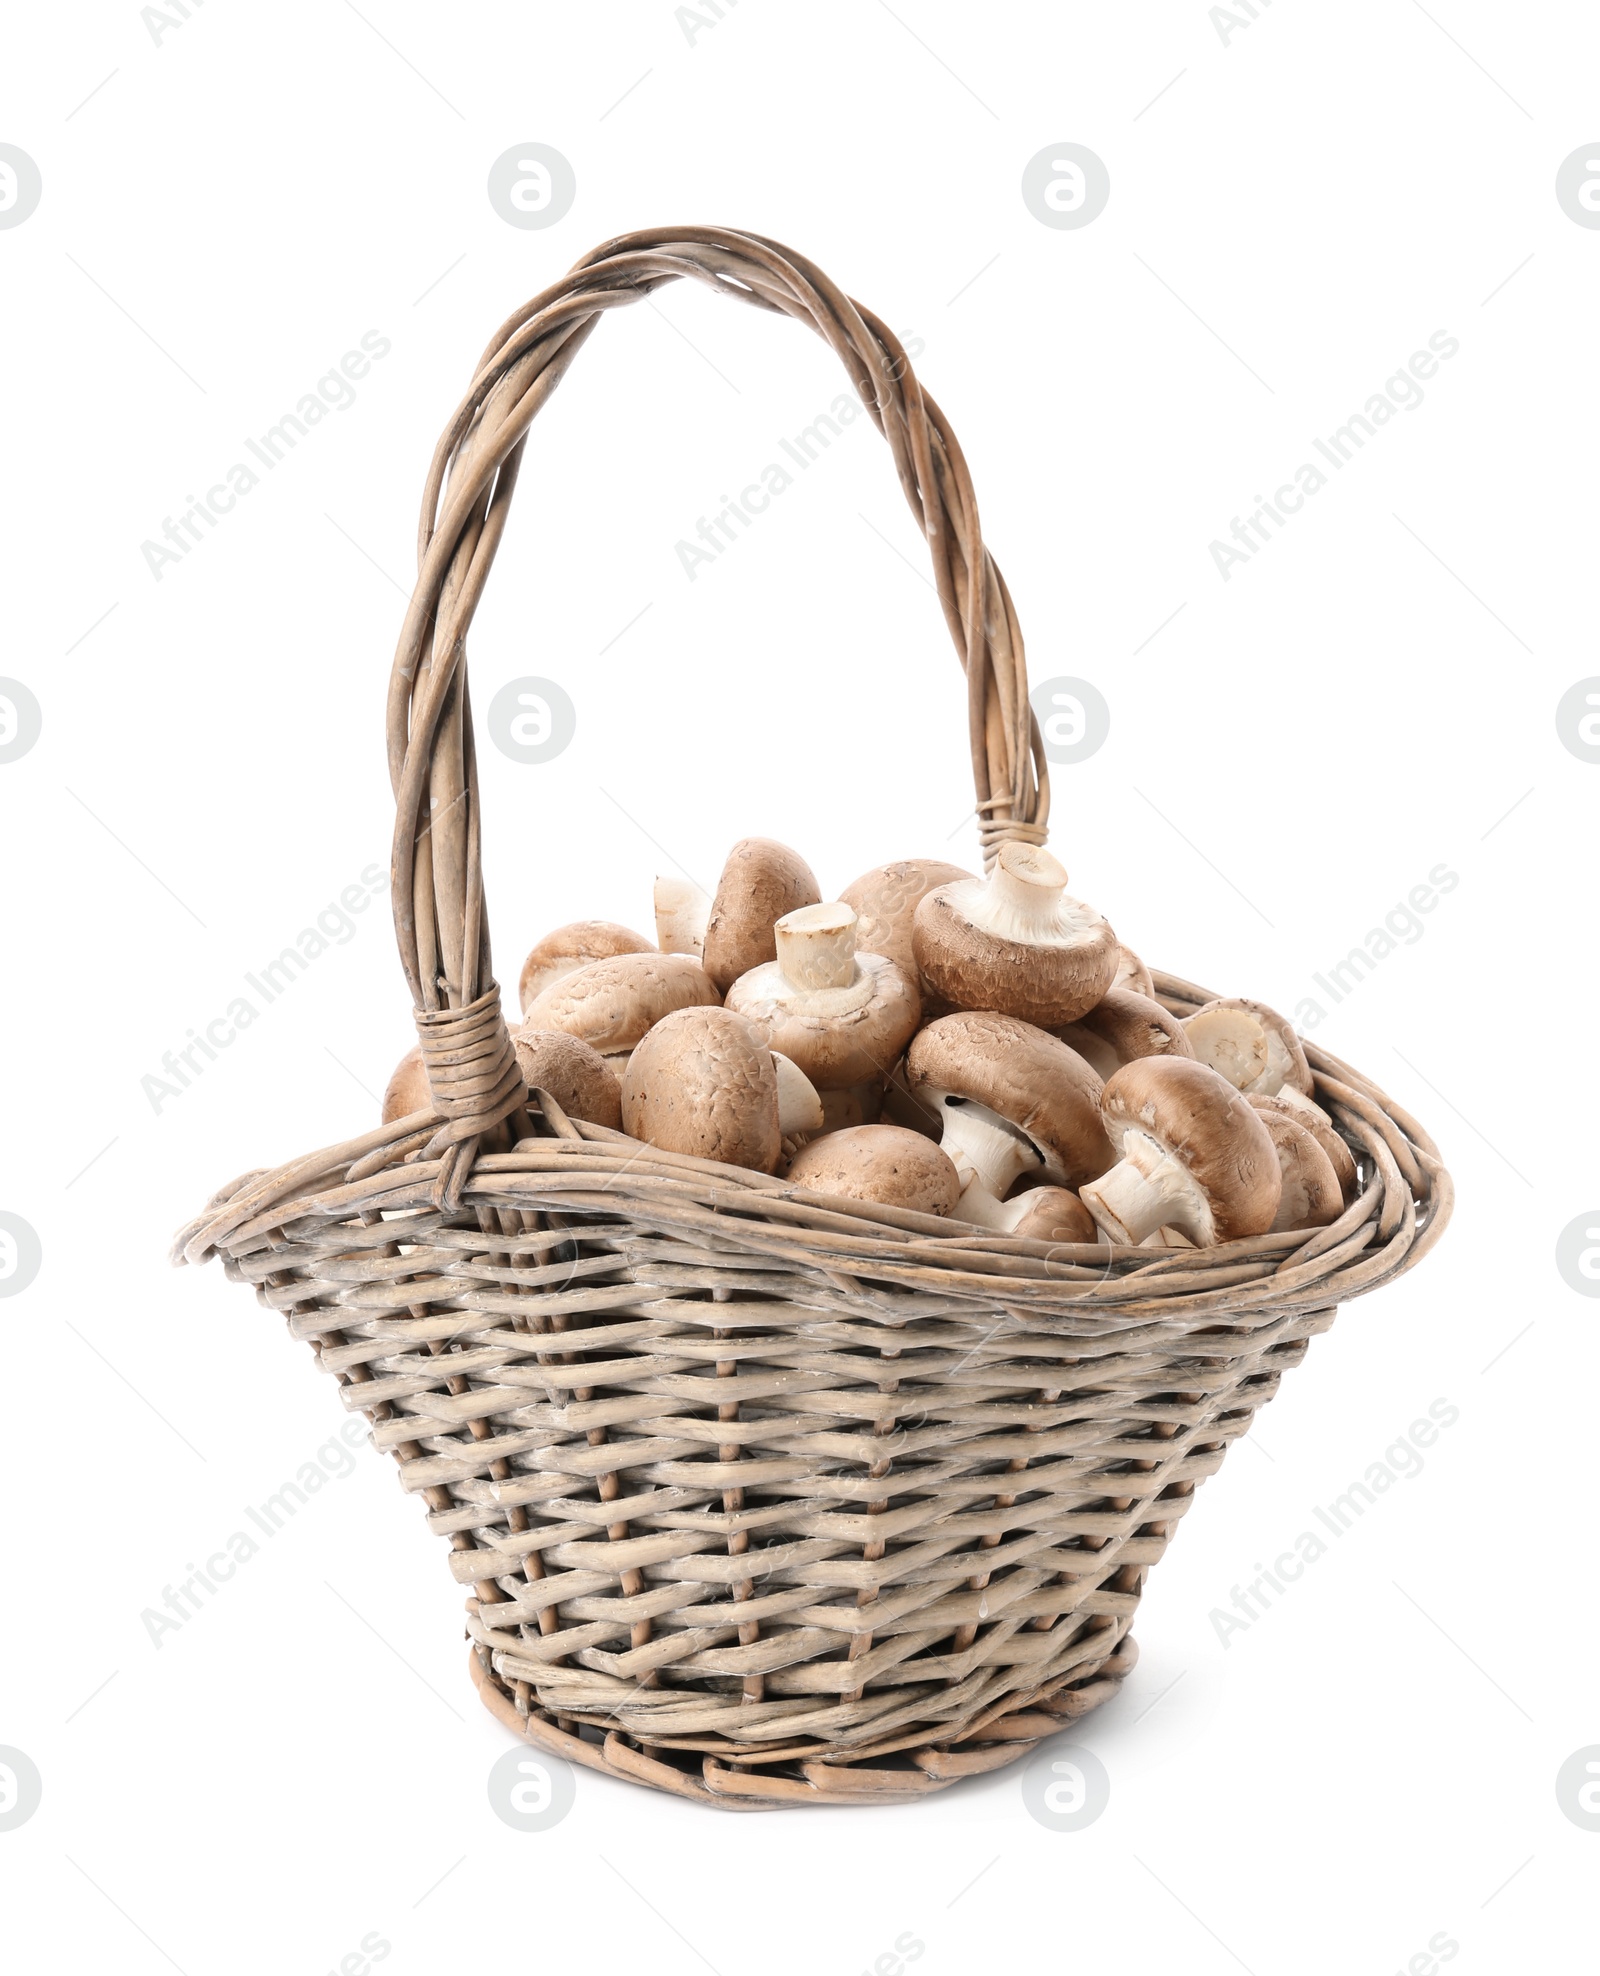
x=978, y=1049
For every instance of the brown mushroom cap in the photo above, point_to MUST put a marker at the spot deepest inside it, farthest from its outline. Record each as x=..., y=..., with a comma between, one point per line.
x=760, y=882
x=1029, y=1078
x=1014, y=942
x=1126, y=1026
x=610, y=1004
x=1316, y=1121
x=1311, y=1195
x=885, y=902
x=1197, y=1117
x=842, y=1016
x=577, y=1077
x=1253, y=1046
x=573, y=946
x=407, y=1090
x=703, y=1082
x=1053, y=1214
x=879, y=1163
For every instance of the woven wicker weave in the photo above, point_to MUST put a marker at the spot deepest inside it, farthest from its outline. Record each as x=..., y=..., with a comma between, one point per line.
x=764, y=1497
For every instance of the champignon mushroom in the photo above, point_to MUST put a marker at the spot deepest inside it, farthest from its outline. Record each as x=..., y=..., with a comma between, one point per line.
x=1132, y=973
x=760, y=883
x=1253, y=1046
x=1123, y=1026
x=407, y=1090
x=573, y=946
x=885, y=902
x=844, y=1017
x=610, y=1004
x=681, y=913
x=580, y=1080
x=1013, y=1100
x=1014, y=942
x=703, y=1082
x=879, y=1163
x=1195, y=1156
x=1291, y=1104
x=1311, y=1195
x=1049, y=1214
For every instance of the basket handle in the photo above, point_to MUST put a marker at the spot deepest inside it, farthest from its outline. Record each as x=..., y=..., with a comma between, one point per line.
x=436, y=870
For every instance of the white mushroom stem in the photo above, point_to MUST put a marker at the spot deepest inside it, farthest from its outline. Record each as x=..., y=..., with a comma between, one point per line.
x=682, y=910
x=1148, y=1189
x=1021, y=898
x=817, y=946
x=799, y=1106
x=988, y=1156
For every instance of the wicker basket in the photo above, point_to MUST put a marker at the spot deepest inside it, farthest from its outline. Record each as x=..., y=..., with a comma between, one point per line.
x=763, y=1497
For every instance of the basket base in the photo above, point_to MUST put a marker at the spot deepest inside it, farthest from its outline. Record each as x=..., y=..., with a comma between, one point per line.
x=934, y=1767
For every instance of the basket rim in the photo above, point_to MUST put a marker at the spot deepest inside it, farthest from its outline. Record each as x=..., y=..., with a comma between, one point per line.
x=570, y=1167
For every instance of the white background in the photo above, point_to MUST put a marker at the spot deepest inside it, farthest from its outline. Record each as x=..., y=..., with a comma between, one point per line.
x=1373, y=1762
